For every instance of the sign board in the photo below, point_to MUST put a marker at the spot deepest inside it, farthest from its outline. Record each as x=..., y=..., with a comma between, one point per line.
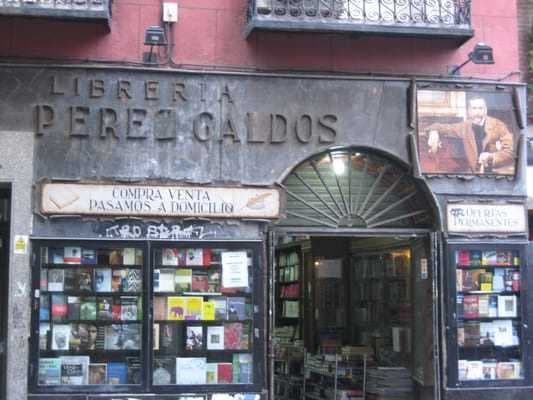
x=21, y=244
x=161, y=201
x=486, y=218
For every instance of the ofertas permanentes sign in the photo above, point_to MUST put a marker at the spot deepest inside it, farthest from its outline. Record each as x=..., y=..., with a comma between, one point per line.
x=486, y=218
x=164, y=201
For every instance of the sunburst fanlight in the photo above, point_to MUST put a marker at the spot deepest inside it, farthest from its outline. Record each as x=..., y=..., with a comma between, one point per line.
x=354, y=189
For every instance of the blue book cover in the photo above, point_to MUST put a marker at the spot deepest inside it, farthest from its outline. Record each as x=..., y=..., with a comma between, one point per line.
x=117, y=373
x=88, y=256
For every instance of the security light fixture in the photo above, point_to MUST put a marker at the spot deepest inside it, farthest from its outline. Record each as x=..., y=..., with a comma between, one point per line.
x=482, y=54
x=154, y=36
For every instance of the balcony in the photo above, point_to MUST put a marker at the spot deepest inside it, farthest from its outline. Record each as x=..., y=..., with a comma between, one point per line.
x=414, y=18
x=88, y=10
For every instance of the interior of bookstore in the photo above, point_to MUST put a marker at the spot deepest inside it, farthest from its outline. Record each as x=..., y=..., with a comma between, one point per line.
x=353, y=318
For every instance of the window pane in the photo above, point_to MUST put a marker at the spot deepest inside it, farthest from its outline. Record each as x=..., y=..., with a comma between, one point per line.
x=90, y=316
x=202, y=331
x=489, y=336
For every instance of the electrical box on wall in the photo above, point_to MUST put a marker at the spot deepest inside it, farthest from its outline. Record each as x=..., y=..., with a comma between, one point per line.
x=170, y=12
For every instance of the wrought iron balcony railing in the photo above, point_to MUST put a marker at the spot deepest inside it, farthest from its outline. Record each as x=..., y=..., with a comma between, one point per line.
x=438, y=18
x=62, y=9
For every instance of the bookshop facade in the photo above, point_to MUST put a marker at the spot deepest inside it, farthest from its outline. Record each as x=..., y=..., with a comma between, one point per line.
x=222, y=236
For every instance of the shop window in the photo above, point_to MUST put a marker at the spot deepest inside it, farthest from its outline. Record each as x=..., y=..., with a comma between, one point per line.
x=133, y=318
x=203, y=309
x=487, y=316
x=91, y=312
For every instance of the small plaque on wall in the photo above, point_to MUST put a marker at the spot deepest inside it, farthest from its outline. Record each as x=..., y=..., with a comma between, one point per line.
x=486, y=218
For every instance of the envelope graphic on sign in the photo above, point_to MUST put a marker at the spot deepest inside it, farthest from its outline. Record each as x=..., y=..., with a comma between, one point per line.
x=63, y=199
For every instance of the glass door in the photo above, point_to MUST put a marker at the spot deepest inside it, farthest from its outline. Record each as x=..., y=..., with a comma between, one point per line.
x=487, y=315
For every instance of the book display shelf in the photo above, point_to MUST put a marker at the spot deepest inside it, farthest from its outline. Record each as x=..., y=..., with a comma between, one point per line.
x=335, y=376
x=288, y=288
x=146, y=317
x=487, y=315
x=202, y=316
x=90, y=316
x=381, y=300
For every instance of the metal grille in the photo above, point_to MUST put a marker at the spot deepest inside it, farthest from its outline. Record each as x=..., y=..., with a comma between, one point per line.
x=378, y=12
x=352, y=189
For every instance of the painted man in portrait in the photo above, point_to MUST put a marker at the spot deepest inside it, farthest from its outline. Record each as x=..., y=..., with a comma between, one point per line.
x=488, y=143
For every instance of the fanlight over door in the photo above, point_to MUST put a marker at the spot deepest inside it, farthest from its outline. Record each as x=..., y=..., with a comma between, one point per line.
x=354, y=189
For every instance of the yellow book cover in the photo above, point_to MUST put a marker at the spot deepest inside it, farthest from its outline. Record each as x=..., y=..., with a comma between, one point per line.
x=486, y=287
x=209, y=311
x=195, y=307
x=176, y=308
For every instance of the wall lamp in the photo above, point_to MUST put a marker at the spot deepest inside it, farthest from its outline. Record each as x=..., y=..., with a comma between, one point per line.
x=482, y=54
x=154, y=36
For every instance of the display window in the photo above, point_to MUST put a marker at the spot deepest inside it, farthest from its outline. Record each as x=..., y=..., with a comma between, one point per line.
x=488, y=315
x=147, y=317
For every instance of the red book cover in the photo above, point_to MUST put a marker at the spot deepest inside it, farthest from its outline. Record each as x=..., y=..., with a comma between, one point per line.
x=200, y=283
x=516, y=281
x=198, y=257
x=225, y=373
x=233, y=336
x=59, y=311
x=471, y=306
x=115, y=312
x=464, y=257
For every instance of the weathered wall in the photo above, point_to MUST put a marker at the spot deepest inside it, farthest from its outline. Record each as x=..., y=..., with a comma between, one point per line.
x=16, y=168
x=210, y=33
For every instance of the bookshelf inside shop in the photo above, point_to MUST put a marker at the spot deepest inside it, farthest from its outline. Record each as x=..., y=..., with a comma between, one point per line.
x=90, y=316
x=359, y=344
x=382, y=306
x=99, y=321
x=488, y=312
x=289, y=286
x=336, y=376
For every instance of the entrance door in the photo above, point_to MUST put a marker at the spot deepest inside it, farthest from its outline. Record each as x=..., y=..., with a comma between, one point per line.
x=5, y=200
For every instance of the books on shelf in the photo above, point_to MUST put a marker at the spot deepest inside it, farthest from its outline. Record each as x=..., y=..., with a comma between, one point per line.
x=102, y=279
x=242, y=368
x=170, y=337
x=60, y=336
x=74, y=370
x=211, y=373
x=225, y=373
x=72, y=255
x=117, y=373
x=488, y=369
x=97, y=374
x=164, y=280
x=474, y=258
x=183, y=280
x=471, y=306
x=160, y=308
x=56, y=279
x=123, y=337
x=191, y=370
x=236, y=308
x=208, y=310
x=164, y=371
x=88, y=256
x=196, y=257
x=236, y=336
x=194, y=338
x=507, y=306
x=49, y=371
x=215, y=337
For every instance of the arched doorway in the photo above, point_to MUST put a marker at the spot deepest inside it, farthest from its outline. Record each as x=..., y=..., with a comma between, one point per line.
x=354, y=280
x=355, y=188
